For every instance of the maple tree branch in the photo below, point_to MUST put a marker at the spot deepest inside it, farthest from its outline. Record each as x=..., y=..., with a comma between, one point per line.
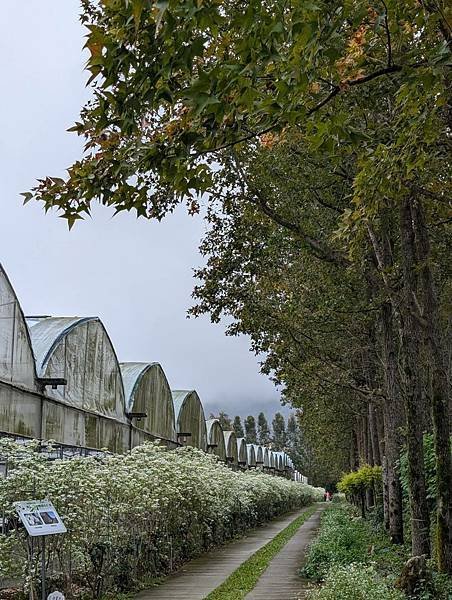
x=388, y=34
x=335, y=91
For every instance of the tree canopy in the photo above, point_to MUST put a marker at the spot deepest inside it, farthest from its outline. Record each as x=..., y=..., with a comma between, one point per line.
x=177, y=82
x=321, y=133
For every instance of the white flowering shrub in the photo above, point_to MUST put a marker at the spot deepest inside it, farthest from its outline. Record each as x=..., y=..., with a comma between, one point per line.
x=355, y=582
x=132, y=517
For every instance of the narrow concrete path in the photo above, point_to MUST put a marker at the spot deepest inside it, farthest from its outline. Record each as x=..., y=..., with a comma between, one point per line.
x=202, y=575
x=280, y=581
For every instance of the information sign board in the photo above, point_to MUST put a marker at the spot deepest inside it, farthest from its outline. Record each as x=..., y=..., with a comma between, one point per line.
x=40, y=517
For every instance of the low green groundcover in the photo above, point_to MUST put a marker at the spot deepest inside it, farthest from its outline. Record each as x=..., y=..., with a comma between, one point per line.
x=355, y=582
x=353, y=559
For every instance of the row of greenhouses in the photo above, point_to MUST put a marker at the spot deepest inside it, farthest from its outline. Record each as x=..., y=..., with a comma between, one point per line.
x=61, y=380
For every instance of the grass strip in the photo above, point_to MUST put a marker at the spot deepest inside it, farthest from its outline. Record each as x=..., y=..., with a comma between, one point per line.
x=244, y=579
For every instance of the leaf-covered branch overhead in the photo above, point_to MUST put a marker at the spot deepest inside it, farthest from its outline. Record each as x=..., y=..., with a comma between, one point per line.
x=175, y=82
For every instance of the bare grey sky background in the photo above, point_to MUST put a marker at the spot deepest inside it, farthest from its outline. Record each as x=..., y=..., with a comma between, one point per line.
x=134, y=274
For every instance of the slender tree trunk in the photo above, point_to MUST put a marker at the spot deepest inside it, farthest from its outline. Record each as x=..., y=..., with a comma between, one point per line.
x=381, y=444
x=354, y=453
x=393, y=421
x=393, y=411
x=414, y=406
x=374, y=436
x=386, y=498
x=365, y=434
x=440, y=393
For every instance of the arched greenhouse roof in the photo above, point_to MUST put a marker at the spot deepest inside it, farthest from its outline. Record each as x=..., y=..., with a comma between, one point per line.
x=215, y=438
x=251, y=455
x=280, y=461
x=266, y=453
x=17, y=363
x=230, y=442
x=259, y=452
x=147, y=391
x=79, y=350
x=273, y=459
x=190, y=418
x=47, y=333
x=241, y=451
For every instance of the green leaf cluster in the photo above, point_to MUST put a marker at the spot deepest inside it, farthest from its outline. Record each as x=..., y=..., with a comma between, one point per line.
x=355, y=482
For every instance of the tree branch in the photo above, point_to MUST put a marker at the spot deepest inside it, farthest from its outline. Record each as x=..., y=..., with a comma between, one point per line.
x=335, y=91
x=320, y=251
x=388, y=34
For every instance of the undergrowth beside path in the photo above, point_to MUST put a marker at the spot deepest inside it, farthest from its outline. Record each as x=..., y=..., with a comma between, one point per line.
x=354, y=560
x=244, y=579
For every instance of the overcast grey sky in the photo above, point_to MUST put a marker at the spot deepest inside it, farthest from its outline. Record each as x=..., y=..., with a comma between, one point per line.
x=135, y=275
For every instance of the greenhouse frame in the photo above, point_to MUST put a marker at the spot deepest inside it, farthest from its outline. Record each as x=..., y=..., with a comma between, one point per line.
x=61, y=380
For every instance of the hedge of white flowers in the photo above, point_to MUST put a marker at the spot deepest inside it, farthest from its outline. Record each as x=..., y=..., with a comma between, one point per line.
x=134, y=517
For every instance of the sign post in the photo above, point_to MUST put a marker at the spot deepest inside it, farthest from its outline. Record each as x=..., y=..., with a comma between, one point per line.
x=40, y=519
x=43, y=568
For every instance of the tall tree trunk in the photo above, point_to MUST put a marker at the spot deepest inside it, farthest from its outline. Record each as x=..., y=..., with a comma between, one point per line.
x=440, y=393
x=373, y=430
x=393, y=411
x=365, y=430
x=381, y=438
x=414, y=406
x=393, y=421
x=354, y=458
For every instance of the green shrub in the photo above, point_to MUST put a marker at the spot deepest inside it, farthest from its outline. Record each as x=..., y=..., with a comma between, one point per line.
x=355, y=482
x=355, y=582
x=338, y=498
x=430, y=471
x=345, y=538
x=440, y=588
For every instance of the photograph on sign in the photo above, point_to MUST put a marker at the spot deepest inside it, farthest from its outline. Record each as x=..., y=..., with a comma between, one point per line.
x=40, y=517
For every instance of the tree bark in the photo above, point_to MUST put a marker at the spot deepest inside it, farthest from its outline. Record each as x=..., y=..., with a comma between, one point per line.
x=373, y=429
x=440, y=392
x=354, y=460
x=393, y=421
x=393, y=411
x=414, y=406
x=381, y=438
x=366, y=446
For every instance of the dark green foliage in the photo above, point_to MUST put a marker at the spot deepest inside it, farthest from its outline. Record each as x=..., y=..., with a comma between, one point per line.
x=225, y=421
x=279, y=432
x=238, y=427
x=263, y=431
x=250, y=430
x=430, y=471
x=345, y=538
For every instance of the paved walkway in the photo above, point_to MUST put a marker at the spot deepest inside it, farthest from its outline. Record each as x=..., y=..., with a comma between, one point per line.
x=202, y=575
x=280, y=581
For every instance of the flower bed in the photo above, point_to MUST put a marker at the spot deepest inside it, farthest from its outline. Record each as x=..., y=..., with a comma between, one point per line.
x=134, y=517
